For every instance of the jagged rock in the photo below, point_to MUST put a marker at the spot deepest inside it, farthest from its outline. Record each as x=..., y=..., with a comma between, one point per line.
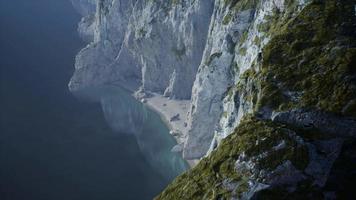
x=285, y=174
x=326, y=123
x=86, y=28
x=291, y=62
x=213, y=79
x=104, y=60
x=321, y=163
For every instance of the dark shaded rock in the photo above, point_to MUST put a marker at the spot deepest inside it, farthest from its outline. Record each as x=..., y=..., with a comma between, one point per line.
x=342, y=177
x=175, y=118
x=325, y=122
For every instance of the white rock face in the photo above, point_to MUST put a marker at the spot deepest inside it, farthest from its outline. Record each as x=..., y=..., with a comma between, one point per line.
x=97, y=63
x=233, y=46
x=156, y=44
x=214, y=77
x=84, y=7
x=245, y=55
x=87, y=9
x=194, y=50
x=168, y=39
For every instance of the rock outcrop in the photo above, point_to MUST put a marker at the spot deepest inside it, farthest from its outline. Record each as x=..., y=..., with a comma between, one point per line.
x=271, y=84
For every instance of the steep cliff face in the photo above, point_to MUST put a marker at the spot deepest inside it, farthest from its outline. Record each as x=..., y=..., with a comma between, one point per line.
x=154, y=45
x=87, y=9
x=272, y=86
x=294, y=73
x=168, y=37
x=234, y=44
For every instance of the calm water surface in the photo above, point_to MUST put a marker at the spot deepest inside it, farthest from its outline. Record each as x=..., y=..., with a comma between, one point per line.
x=53, y=146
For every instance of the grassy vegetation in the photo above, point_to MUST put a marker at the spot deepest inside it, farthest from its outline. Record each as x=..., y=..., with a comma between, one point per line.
x=312, y=54
x=310, y=62
x=253, y=137
x=235, y=6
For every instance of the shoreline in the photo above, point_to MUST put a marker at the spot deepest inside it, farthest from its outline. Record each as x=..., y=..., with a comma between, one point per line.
x=173, y=113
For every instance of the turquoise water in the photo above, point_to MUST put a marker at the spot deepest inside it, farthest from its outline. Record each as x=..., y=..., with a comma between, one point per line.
x=127, y=115
x=54, y=146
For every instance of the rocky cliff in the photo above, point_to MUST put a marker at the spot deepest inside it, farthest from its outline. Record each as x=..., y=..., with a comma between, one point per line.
x=270, y=86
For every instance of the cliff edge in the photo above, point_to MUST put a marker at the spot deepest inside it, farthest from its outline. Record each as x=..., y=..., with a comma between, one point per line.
x=262, y=92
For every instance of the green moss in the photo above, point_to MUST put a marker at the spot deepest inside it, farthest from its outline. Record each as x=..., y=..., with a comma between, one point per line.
x=224, y=114
x=314, y=55
x=175, y=2
x=311, y=54
x=227, y=18
x=243, y=37
x=236, y=6
x=242, y=51
x=252, y=137
x=230, y=93
x=257, y=41
x=249, y=73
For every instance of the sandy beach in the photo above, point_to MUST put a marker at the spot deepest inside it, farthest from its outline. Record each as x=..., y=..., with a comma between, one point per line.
x=174, y=113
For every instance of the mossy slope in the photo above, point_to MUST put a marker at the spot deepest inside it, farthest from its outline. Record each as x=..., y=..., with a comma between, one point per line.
x=252, y=138
x=310, y=62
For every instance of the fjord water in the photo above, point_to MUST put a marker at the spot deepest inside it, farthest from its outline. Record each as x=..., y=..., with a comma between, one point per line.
x=53, y=146
x=125, y=114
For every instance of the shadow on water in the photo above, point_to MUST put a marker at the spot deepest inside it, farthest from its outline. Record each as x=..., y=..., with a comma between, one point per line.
x=127, y=115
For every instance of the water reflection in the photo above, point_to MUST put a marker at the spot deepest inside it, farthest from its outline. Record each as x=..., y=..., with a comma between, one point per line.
x=127, y=115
